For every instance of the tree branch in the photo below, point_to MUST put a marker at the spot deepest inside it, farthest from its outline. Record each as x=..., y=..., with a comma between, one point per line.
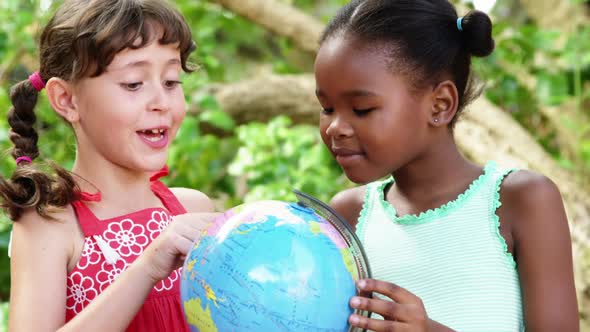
x=280, y=18
x=557, y=15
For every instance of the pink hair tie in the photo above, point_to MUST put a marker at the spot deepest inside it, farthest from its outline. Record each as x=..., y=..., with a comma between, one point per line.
x=19, y=160
x=36, y=81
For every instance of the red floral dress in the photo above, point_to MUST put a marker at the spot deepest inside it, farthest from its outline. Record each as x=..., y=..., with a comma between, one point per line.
x=111, y=245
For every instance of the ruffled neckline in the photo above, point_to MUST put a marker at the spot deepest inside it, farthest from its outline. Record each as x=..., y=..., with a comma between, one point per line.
x=434, y=213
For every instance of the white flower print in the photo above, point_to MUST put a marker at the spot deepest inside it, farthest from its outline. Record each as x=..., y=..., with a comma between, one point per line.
x=126, y=237
x=168, y=283
x=158, y=223
x=90, y=254
x=109, y=273
x=80, y=292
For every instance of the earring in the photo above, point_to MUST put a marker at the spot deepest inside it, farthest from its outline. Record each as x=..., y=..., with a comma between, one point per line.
x=435, y=120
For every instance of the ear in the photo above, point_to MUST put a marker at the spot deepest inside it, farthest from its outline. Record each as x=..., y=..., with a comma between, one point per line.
x=61, y=95
x=445, y=100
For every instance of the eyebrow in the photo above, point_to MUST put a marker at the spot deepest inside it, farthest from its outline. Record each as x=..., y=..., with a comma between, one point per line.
x=143, y=63
x=352, y=93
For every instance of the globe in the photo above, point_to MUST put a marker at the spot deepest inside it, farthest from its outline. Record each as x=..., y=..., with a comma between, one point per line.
x=271, y=266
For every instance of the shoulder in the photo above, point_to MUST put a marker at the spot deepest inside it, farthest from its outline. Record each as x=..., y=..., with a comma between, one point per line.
x=193, y=200
x=525, y=189
x=35, y=236
x=33, y=224
x=532, y=201
x=349, y=203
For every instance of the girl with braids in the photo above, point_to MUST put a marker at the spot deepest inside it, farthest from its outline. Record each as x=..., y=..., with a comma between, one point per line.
x=452, y=245
x=97, y=249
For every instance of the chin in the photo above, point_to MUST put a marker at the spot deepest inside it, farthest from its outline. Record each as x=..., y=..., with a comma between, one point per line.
x=360, y=176
x=153, y=164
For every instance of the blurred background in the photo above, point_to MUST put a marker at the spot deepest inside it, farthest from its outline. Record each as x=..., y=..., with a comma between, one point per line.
x=251, y=130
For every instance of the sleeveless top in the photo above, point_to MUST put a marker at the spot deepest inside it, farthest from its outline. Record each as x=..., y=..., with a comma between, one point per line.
x=453, y=257
x=111, y=245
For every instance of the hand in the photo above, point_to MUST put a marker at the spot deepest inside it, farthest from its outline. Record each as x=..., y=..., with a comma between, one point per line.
x=168, y=250
x=405, y=313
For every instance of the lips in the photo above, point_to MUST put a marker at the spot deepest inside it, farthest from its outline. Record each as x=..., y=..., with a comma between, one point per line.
x=348, y=157
x=345, y=152
x=156, y=138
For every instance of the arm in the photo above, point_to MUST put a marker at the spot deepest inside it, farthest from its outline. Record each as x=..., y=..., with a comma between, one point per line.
x=39, y=283
x=38, y=268
x=532, y=206
x=116, y=306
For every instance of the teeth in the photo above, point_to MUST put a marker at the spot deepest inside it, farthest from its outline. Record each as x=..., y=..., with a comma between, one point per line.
x=155, y=131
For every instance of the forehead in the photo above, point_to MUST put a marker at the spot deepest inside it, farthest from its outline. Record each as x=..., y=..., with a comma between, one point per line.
x=343, y=64
x=341, y=50
x=152, y=53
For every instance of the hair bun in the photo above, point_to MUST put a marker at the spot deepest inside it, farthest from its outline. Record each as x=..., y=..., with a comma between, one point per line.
x=477, y=30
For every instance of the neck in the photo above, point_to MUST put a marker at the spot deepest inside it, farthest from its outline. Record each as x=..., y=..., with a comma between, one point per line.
x=121, y=188
x=440, y=169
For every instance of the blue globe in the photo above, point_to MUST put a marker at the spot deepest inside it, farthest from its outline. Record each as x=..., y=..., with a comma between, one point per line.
x=270, y=266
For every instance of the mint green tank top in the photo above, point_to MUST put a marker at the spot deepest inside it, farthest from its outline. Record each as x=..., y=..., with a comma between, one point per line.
x=452, y=257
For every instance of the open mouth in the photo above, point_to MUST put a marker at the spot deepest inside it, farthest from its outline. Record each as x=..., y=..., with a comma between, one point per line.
x=156, y=138
x=153, y=135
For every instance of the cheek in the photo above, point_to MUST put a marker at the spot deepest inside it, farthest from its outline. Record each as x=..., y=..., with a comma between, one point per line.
x=323, y=127
x=179, y=108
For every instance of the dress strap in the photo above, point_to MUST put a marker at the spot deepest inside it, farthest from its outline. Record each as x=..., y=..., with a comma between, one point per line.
x=88, y=222
x=169, y=200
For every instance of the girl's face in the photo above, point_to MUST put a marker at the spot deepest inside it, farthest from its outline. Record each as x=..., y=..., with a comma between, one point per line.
x=371, y=121
x=130, y=114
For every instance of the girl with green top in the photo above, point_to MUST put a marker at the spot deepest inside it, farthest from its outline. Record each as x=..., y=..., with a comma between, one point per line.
x=452, y=245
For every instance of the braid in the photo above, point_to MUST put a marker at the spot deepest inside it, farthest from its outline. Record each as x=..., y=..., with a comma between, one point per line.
x=22, y=118
x=29, y=187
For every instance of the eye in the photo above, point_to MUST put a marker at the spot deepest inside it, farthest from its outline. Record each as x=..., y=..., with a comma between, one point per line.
x=327, y=110
x=172, y=84
x=363, y=112
x=132, y=86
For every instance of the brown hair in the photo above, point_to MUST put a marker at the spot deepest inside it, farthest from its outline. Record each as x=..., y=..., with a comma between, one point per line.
x=80, y=40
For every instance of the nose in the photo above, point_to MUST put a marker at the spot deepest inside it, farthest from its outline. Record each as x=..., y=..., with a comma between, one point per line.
x=160, y=99
x=338, y=127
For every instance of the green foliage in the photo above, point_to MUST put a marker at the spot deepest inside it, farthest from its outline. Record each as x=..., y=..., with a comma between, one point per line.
x=559, y=64
x=275, y=158
x=3, y=317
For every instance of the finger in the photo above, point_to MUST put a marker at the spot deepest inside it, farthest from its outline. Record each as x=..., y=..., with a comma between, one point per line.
x=386, y=308
x=391, y=290
x=183, y=245
x=197, y=222
x=377, y=324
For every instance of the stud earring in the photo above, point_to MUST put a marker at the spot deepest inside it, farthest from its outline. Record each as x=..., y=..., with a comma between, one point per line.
x=435, y=120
